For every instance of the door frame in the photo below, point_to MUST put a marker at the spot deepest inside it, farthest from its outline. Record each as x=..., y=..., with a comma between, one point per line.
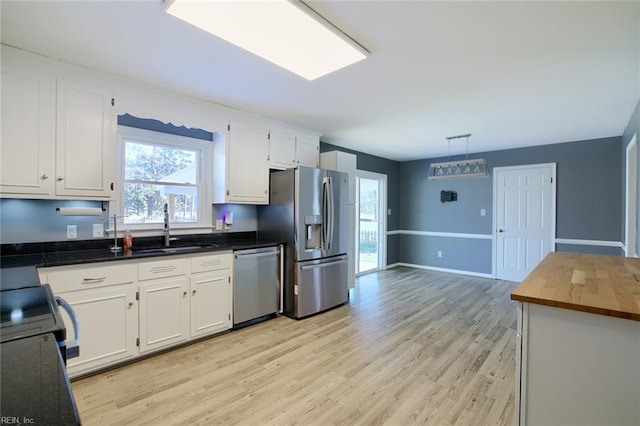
x=382, y=226
x=552, y=213
x=631, y=199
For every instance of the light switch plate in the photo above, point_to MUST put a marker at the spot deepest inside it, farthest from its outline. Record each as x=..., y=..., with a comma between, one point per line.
x=98, y=230
x=72, y=232
x=483, y=212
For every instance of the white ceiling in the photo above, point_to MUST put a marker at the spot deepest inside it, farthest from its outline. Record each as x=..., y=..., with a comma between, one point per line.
x=511, y=73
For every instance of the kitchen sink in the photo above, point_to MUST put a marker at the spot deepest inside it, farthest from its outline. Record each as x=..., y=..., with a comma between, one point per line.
x=182, y=249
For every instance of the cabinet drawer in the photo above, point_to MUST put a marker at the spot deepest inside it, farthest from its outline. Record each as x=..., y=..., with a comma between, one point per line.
x=80, y=277
x=163, y=268
x=211, y=262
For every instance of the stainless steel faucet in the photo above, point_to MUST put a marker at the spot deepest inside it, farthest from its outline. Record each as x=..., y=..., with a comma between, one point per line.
x=167, y=235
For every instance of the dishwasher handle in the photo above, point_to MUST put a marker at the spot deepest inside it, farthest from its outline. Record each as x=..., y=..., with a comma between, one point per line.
x=254, y=255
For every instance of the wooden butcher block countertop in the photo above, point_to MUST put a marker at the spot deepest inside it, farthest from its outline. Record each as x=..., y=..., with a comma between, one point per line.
x=605, y=285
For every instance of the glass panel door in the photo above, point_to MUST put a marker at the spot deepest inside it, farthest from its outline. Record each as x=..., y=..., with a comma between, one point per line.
x=370, y=222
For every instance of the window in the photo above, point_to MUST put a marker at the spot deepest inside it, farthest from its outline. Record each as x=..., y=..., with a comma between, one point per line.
x=159, y=168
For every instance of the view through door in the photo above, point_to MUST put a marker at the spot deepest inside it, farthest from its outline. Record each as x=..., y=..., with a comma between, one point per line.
x=371, y=221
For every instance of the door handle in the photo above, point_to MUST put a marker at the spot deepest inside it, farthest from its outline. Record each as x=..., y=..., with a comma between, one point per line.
x=500, y=231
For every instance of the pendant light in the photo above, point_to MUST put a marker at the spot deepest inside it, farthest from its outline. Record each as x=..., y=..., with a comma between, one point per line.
x=459, y=169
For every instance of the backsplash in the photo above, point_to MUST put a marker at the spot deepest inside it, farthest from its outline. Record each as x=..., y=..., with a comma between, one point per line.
x=29, y=221
x=25, y=221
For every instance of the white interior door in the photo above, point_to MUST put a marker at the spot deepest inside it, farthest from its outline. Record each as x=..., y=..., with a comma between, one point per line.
x=631, y=217
x=524, y=218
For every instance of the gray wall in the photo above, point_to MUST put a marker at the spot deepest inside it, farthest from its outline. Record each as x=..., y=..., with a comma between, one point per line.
x=589, y=200
x=390, y=168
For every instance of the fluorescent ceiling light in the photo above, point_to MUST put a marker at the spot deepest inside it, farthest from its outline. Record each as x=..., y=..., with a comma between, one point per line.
x=287, y=33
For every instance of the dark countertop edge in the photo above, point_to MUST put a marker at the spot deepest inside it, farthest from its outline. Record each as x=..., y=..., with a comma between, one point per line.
x=41, y=248
x=94, y=256
x=52, y=260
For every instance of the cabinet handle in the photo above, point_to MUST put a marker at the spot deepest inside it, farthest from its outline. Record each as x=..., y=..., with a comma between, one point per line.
x=184, y=293
x=93, y=280
x=193, y=292
x=130, y=304
x=111, y=186
x=44, y=177
x=60, y=178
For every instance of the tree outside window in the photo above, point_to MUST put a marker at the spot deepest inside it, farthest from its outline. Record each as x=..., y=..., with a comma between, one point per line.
x=156, y=174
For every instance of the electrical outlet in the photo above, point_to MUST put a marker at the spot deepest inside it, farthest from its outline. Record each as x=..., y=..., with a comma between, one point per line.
x=439, y=253
x=483, y=212
x=72, y=232
x=98, y=230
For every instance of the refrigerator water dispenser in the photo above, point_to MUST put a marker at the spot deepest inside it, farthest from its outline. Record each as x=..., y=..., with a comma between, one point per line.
x=313, y=232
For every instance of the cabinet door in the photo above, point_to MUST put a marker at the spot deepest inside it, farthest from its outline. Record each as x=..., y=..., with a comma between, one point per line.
x=164, y=313
x=211, y=302
x=85, y=140
x=282, y=149
x=247, y=169
x=307, y=150
x=108, y=319
x=27, y=133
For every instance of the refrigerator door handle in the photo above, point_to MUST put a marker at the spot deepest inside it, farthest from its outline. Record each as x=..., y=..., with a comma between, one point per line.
x=323, y=264
x=331, y=214
x=325, y=216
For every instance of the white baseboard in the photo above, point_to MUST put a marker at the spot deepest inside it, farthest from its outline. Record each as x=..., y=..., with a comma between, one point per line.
x=599, y=243
x=433, y=268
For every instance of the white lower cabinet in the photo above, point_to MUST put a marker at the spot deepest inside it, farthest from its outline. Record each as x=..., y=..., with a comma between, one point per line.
x=164, y=313
x=576, y=368
x=130, y=308
x=108, y=320
x=104, y=300
x=210, y=309
x=211, y=294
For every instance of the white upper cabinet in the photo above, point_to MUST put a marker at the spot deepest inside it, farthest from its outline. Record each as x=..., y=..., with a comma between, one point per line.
x=289, y=148
x=282, y=148
x=58, y=130
x=307, y=150
x=27, y=162
x=241, y=173
x=85, y=140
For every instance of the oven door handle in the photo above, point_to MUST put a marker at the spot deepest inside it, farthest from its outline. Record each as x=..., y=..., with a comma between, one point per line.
x=73, y=347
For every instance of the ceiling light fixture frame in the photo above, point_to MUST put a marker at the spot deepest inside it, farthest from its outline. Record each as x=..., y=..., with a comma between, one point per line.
x=460, y=169
x=287, y=33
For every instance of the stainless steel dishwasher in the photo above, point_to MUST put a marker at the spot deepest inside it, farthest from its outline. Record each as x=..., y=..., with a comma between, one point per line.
x=256, y=283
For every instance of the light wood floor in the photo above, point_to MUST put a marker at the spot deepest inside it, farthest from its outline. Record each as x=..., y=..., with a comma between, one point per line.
x=411, y=347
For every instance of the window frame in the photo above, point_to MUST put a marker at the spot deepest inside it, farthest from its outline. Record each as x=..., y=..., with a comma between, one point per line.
x=204, y=176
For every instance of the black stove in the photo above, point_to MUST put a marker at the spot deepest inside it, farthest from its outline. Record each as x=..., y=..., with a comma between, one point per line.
x=30, y=311
x=34, y=381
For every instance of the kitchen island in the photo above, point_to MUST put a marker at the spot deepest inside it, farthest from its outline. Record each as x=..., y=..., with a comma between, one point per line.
x=578, y=341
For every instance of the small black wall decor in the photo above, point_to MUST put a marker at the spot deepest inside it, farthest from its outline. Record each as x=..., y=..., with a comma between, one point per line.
x=448, y=196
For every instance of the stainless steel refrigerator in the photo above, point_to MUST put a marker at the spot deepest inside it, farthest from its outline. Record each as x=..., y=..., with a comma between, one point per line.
x=307, y=212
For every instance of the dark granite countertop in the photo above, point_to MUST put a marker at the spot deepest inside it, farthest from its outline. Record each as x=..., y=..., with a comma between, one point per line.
x=18, y=262
x=35, y=386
